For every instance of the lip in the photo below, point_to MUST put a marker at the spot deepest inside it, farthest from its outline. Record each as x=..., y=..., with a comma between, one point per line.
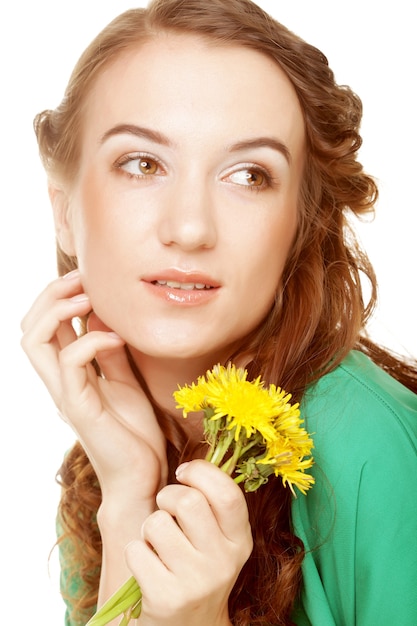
x=177, y=295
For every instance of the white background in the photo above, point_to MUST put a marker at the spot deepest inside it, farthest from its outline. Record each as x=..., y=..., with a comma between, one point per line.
x=370, y=46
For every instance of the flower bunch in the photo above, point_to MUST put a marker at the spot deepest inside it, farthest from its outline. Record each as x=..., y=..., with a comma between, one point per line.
x=252, y=432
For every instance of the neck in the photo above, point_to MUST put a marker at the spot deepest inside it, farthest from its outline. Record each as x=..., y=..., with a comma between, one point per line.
x=163, y=376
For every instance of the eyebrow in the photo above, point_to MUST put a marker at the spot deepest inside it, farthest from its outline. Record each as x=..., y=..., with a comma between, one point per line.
x=137, y=131
x=157, y=137
x=263, y=142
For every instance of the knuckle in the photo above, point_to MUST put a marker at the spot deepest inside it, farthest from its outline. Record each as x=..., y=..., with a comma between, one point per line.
x=155, y=522
x=24, y=342
x=231, y=500
x=243, y=549
x=27, y=345
x=191, y=500
x=247, y=551
x=23, y=324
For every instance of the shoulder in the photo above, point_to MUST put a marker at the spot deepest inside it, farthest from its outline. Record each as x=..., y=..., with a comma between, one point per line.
x=364, y=428
x=357, y=379
x=359, y=407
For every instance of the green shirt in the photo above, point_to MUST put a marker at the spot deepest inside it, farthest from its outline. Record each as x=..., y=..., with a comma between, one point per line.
x=359, y=521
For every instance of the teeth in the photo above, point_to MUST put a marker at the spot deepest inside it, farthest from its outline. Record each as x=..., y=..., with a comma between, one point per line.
x=173, y=284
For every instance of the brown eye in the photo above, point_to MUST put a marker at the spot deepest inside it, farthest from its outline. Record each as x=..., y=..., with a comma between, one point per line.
x=139, y=166
x=248, y=178
x=255, y=179
x=147, y=166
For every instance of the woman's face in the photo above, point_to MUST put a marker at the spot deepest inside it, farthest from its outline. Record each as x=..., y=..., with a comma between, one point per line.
x=185, y=206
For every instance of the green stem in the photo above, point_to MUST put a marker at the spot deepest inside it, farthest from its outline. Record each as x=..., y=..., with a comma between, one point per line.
x=221, y=449
x=248, y=446
x=230, y=464
x=136, y=610
x=132, y=613
x=210, y=453
x=127, y=595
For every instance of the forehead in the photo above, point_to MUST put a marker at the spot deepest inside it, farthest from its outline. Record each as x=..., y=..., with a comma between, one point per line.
x=191, y=85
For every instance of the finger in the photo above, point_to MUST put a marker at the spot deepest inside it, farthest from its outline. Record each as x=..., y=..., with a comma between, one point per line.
x=114, y=364
x=45, y=327
x=153, y=578
x=49, y=318
x=162, y=533
x=64, y=287
x=95, y=323
x=49, y=332
x=77, y=374
x=223, y=495
x=192, y=513
x=65, y=334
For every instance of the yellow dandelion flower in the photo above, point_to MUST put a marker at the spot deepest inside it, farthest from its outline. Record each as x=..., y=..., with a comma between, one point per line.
x=297, y=478
x=248, y=406
x=287, y=460
x=191, y=398
x=289, y=425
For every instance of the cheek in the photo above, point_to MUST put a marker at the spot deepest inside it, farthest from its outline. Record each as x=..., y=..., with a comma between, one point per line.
x=279, y=251
x=264, y=262
x=272, y=249
x=96, y=231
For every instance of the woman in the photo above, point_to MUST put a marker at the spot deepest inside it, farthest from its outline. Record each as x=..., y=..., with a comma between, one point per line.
x=202, y=167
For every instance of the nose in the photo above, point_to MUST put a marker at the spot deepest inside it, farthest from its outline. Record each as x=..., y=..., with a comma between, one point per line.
x=188, y=219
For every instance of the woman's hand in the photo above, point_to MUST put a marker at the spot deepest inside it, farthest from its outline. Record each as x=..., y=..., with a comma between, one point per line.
x=192, y=549
x=110, y=414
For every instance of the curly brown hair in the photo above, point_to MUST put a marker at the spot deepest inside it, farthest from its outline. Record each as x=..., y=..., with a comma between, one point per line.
x=319, y=314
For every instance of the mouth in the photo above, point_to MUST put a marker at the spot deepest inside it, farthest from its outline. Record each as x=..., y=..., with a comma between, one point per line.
x=182, y=288
x=173, y=284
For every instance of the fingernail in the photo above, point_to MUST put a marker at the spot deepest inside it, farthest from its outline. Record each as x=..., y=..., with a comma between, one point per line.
x=71, y=275
x=80, y=297
x=114, y=335
x=181, y=468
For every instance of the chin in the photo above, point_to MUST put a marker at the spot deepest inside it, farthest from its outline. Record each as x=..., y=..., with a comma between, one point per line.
x=184, y=351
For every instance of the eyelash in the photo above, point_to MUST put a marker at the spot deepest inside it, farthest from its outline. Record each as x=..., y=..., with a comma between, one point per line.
x=268, y=181
x=137, y=156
